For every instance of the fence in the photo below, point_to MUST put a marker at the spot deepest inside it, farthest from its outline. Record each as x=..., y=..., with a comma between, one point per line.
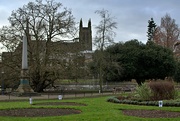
x=56, y=95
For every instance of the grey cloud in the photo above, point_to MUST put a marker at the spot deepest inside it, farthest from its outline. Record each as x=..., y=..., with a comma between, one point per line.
x=132, y=15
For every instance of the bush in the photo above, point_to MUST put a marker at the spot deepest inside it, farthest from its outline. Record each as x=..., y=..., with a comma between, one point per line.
x=144, y=92
x=162, y=90
x=147, y=103
x=113, y=99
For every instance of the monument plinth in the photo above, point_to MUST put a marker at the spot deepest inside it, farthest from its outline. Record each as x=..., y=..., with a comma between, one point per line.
x=24, y=88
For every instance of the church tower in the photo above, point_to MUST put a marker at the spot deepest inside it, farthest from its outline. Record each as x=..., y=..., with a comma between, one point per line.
x=85, y=36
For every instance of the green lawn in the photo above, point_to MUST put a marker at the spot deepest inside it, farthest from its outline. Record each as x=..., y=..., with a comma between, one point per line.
x=97, y=109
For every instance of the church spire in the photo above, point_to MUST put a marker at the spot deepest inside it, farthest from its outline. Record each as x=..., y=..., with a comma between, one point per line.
x=89, y=23
x=81, y=23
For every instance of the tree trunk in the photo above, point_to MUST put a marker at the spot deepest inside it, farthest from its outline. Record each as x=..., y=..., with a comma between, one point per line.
x=39, y=88
x=140, y=81
x=100, y=79
x=101, y=71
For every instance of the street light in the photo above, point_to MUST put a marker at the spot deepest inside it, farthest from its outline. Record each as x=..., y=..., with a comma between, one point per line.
x=2, y=86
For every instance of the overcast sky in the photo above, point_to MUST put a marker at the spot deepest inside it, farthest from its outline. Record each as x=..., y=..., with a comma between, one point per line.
x=131, y=15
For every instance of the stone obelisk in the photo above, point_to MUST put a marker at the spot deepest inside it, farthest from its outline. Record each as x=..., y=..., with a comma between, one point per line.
x=24, y=88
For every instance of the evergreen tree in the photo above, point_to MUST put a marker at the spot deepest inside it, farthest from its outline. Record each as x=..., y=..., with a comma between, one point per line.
x=151, y=29
x=146, y=61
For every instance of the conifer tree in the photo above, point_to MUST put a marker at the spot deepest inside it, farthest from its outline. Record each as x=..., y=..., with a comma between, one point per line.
x=151, y=29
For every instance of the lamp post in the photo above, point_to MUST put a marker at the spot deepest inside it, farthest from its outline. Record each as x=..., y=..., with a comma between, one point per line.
x=2, y=86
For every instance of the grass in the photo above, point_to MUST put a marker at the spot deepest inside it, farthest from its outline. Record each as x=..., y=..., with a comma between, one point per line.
x=97, y=109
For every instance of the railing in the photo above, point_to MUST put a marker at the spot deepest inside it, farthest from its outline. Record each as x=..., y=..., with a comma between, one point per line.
x=56, y=95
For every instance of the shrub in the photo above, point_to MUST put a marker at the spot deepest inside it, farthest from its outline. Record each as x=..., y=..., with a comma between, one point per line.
x=147, y=103
x=113, y=99
x=144, y=92
x=162, y=90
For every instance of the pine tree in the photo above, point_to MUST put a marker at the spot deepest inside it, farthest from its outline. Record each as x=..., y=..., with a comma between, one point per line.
x=151, y=29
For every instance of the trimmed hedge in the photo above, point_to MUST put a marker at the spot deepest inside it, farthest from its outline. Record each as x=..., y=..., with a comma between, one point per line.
x=147, y=103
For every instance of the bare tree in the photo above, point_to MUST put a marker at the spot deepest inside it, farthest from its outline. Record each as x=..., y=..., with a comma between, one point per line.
x=104, y=37
x=43, y=24
x=167, y=33
x=10, y=38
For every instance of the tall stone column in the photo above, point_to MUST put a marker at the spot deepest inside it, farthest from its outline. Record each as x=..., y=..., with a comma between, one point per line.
x=24, y=88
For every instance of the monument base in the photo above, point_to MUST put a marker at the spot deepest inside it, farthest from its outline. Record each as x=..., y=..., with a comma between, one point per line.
x=24, y=90
x=25, y=94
